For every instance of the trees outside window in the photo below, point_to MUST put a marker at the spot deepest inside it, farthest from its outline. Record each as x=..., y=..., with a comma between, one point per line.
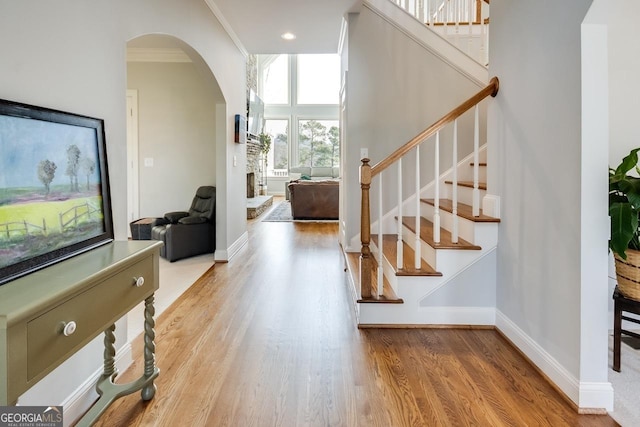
x=318, y=143
x=278, y=156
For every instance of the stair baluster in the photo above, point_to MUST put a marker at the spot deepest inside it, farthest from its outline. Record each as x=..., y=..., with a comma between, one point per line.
x=400, y=246
x=417, y=249
x=436, y=191
x=476, y=149
x=454, y=189
x=470, y=19
x=380, y=237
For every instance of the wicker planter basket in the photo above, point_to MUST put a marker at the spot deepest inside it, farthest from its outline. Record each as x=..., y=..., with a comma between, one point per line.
x=628, y=274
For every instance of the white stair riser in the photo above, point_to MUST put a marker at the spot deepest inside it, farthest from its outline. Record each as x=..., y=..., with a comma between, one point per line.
x=465, y=173
x=428, y=253
x=465, y=194
x=483, y=234
x=465, y=227
x=387, y=269
x=401, y=314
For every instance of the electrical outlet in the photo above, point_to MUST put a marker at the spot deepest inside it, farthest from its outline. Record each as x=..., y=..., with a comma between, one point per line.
x=364, y=153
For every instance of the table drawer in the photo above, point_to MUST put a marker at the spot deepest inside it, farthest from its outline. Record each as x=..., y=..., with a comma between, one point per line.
x=90, y=310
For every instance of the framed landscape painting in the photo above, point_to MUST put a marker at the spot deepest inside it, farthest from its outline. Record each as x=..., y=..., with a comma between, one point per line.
x=54, y=187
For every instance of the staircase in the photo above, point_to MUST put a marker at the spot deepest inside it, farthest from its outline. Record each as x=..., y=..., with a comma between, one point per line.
x=437, y=269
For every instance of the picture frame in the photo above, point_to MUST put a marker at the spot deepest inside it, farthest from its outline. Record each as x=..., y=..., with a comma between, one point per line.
x=54, y=187
x=240, y=129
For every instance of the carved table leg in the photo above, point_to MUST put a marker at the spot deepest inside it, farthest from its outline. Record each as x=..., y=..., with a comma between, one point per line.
x=149, y=347
x=110, y=370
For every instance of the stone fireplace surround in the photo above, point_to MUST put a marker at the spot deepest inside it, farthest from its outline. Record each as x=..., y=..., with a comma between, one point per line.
x=253, y=168
x=256, y=204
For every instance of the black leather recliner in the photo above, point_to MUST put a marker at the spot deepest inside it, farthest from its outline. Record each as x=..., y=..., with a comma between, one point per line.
x=187, y=234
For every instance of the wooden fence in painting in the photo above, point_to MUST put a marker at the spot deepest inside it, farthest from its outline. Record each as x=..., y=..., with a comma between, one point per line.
x=8, y=229
x=76, y=215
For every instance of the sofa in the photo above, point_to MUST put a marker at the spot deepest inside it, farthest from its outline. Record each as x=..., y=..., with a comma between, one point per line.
x=317, y=173
x=313, y=174
x=317, y=199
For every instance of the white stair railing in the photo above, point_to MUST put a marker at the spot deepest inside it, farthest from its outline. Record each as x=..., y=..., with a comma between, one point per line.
x=367, y=172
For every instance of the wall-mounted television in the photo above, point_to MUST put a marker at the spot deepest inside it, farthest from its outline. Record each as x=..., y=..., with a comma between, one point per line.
x=255, y=115
x=54, y=187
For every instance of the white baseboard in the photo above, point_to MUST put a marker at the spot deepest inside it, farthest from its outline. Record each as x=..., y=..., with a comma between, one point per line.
x=588, y=396
x=226, y=255
x=85, y=396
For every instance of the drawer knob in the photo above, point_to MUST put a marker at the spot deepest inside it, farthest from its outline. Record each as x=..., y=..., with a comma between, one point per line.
x=68, y=328
x=138, y=281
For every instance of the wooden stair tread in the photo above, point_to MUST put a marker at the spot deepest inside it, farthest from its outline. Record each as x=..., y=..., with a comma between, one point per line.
x=479, y=163
x=390, y=251
x=388, y=295
x=481, y=185
x=426, y=234
x=464, y=211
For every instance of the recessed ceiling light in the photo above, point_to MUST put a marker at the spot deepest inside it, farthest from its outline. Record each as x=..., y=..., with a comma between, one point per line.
x=288, y=36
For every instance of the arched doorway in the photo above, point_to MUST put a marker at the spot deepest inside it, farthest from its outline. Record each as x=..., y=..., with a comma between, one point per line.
x=171, y=124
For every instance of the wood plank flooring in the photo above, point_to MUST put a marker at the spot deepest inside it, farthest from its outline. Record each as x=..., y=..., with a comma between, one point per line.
x=269, y=339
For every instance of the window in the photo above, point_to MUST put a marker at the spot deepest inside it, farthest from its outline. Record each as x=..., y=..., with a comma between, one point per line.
x=275, y=79
x=318, y=143
x=301, y=95
x=318, y=79
x=278, y=156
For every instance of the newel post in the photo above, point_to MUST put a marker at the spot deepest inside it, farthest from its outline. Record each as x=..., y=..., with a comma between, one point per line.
x=366, y=265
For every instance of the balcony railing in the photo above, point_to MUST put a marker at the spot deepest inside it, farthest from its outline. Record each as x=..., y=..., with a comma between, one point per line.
x=464, y=23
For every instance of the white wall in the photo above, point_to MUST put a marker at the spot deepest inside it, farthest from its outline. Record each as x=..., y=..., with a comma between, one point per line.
x=535, y=136
x=177, y=130
x=624, y=84
x=395, y=89
x=70, y=55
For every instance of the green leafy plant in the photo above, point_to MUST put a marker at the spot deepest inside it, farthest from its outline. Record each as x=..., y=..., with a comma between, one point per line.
x=265, y=143
x=624, y=205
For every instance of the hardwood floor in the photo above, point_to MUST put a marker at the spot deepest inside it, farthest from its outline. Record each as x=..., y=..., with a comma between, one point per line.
x=269, y=339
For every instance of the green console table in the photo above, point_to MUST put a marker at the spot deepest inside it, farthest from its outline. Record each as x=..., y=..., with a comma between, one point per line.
x=50, y=314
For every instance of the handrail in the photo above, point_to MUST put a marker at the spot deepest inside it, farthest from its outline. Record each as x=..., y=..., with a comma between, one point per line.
x=367, y=172
x=490, y=89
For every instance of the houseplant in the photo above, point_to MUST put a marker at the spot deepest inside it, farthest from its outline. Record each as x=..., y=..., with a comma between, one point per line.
x=624, y=208
x=265, y=146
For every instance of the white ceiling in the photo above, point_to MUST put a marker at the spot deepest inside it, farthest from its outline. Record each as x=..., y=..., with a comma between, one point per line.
x=258, y=24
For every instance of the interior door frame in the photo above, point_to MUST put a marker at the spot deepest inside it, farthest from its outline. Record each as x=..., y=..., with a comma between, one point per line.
x=133, y=177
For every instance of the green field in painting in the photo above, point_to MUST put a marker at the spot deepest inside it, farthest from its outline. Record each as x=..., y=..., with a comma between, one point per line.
x=17, y=245
x=48, y=211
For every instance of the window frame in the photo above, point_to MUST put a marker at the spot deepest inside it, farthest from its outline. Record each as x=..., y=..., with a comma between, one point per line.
x=270, y=167
x=295, y=112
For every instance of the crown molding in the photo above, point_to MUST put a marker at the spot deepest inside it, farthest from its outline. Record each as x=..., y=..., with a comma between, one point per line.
x=143, y=54
x=227, y=27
